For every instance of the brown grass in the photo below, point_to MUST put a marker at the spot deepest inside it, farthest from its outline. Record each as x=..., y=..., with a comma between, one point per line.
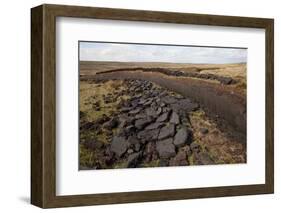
x=236, y=71
x=220, y=148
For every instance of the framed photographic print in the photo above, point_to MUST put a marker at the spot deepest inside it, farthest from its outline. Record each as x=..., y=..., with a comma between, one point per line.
x=136, y=106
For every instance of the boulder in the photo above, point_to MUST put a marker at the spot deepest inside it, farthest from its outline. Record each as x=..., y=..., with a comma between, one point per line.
x=175, y=119
x=182, y=136
x=164, y=117
x=141, y=123
x=169, y=99
x=157, y=100
x=130, y=151
x=134, y=143
x=150, y=148
x=179, y=160
x=224, y=80
x=149, y=151
x=148, y=102
x=119, y=145
x=140, y=115
x=154, y=105
x=159, y=110
x=184, y=104
x=124, y=120
x=133, y=160
x=148, y=135
x=112, y=123
x=166, y=148
x=137, y=147
x=129, y=130
x=134, y=103
x=135, y=111
x=188, y=106
x=166, y=109
x=121, y=132
x=155, y=125
x=151, y=112
x=137, y=96
x=126, y=109
x=142, y=101
x=132, y=140
x=167, y=131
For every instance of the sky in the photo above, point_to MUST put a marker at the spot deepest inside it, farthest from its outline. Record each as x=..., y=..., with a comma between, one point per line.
x=122, y=52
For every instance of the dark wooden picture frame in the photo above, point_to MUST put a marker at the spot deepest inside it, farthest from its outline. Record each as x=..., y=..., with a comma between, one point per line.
x=43, y=105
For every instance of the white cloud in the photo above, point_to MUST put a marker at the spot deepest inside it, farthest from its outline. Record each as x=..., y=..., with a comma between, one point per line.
x=94, y=51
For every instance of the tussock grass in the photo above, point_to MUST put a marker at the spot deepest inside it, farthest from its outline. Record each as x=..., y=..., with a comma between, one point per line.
x=220, y=148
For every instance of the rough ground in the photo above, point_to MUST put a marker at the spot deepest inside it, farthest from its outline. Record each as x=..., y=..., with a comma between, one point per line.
x=137, y=123
x=221, y=102
x=228, y=73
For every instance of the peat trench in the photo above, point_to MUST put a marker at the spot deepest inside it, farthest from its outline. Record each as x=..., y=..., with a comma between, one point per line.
x=226, y=108
x=193, y=72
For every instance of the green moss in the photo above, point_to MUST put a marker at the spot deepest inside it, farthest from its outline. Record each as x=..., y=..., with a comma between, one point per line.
x=191, y=160
x=92, y=93
x=86, y=136
x=86, y=157
x=154, y=163
x=198, y=113
x=120, y=165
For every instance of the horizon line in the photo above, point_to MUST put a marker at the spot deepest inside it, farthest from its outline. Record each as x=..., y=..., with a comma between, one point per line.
x=159, y=62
